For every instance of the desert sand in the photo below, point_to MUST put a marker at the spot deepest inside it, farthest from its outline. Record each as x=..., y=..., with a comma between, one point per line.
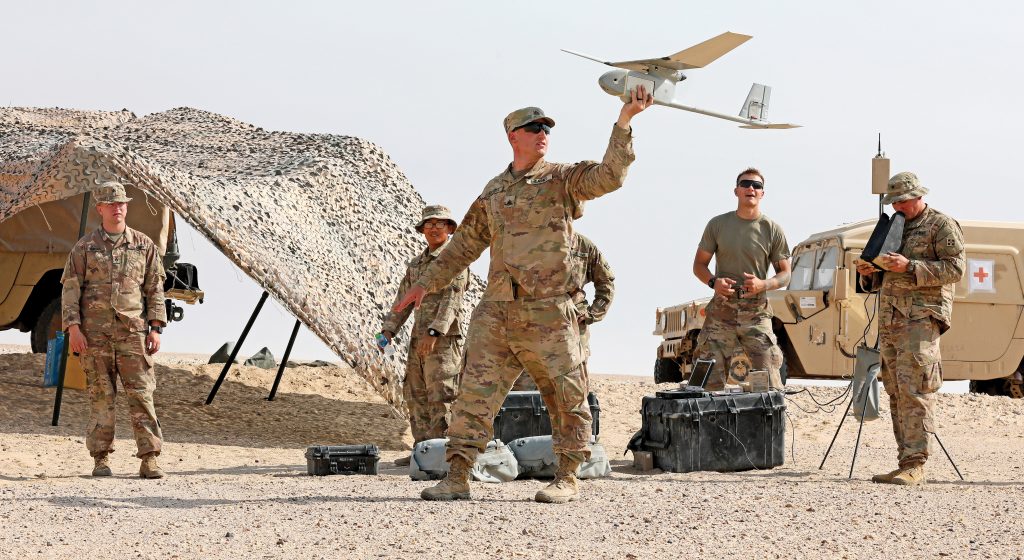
x=237, y=485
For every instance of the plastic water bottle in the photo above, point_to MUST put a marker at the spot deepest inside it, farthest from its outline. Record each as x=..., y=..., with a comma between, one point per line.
x=385, y=344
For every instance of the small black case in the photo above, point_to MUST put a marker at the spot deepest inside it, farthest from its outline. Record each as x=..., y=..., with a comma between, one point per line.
x=342, y=459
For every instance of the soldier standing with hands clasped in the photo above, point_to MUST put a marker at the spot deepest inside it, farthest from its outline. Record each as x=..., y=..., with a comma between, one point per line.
x=113, y=288
x=526, y=318
x=915, y=308
x=435, y=348
x=739, y=318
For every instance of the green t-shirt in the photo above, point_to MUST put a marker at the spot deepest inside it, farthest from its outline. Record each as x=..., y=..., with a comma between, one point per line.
x=744, y=245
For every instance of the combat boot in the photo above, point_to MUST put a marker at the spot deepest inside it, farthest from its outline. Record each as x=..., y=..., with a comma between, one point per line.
x=912, y=476
x=564, y=488
x=455, y=486
x=149, y=468
x=887, y=477
x=102, y=467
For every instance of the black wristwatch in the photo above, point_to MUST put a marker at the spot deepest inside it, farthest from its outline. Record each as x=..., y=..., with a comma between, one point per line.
x=157, y=329
x=433, y=332
x=711, y=283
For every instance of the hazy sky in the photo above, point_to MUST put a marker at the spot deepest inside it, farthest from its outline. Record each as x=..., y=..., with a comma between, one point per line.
x=431, y=81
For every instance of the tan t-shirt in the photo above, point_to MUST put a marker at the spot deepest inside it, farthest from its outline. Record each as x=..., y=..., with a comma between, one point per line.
x=744, y=245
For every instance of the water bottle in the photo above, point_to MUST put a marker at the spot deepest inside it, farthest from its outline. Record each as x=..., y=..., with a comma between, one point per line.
x=385, y=344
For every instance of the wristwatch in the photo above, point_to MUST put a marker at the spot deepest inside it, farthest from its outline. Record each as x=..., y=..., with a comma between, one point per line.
x=711, y=283
x=433, y=332
x=911, y=267
x=156, y=328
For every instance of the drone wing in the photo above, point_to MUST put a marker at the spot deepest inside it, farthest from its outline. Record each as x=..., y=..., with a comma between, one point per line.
x=697, y=56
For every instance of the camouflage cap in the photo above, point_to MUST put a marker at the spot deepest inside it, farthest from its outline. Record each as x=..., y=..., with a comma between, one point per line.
x=903, y=186
x=526, y=115
x=110, y=191
x=436, y=212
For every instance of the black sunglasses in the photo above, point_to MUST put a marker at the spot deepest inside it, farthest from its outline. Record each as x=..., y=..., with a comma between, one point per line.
x=748, y=183
x=534, y=128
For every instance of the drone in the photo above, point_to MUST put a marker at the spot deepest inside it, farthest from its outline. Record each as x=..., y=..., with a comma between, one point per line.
x=659, y=77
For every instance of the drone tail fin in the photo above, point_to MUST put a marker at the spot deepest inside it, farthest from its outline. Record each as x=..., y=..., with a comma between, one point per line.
x=755, y=107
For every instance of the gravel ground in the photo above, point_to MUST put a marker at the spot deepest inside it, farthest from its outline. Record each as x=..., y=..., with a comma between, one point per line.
x=237, y=485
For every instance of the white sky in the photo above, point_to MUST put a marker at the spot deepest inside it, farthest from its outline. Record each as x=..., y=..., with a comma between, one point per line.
x=431, y=81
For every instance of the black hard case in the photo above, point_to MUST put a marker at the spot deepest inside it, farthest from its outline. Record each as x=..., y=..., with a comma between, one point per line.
x=523, y=414
x=734, y=432
x=342, y=459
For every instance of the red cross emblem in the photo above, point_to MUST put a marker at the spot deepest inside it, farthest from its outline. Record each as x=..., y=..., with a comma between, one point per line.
x=981, y=275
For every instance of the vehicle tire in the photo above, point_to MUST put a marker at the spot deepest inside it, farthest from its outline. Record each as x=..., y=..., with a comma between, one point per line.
x=47, y=325
x=667, y=370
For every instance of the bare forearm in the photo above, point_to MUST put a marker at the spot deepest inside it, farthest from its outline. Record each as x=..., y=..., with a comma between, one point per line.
x=780, y=280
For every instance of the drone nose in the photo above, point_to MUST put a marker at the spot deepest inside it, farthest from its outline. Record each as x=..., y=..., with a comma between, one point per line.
x=612, y=82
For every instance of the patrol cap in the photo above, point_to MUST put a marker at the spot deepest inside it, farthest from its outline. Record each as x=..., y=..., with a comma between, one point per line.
x=110, y=191
x=526, y=115
x=903, y=186
x=436, y=212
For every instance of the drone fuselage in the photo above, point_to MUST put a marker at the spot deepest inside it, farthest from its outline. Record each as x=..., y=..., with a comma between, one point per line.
x=660, y=82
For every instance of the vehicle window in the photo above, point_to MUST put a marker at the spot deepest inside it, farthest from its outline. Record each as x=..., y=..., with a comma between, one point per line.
x=803, y=270
x=825, y=270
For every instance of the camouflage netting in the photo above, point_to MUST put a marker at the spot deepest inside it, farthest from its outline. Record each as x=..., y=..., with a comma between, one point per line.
x=322, y=222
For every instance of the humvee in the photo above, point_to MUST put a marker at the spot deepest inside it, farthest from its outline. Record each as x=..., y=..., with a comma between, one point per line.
x=823, y=315
x=34, y=245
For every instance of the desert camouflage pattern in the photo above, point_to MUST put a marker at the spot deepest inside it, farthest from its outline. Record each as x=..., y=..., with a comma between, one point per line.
x=914, y=310
x=322, y=222
x=431, y=385
x=432, y=381
x=118, y=352
x=733, y=327
x=588, y=266
x=113, y=290
x=540, y=336
x=527, y=223
x=106, y=283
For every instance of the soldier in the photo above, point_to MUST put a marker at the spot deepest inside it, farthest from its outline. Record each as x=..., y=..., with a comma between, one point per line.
x=113, y=289
x=588, y=266
x=526, y=318
x=915, y=308
x=435, y=348
x=738, y=318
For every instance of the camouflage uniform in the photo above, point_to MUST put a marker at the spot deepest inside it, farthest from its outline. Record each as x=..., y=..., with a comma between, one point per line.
x=736, y=326
x=432, y=381
x=915, y=308
x=527, y=318
x=113, y=291
x=588, y=266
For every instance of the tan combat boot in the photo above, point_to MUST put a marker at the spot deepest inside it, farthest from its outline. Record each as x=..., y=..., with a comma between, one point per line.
x=149, y=468
x=455, y=486
x=102, y=467
x=887, y=477
x=912, y=476
x=564, y=488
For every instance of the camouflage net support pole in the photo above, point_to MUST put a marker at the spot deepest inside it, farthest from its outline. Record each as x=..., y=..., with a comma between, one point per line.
x=62, y=367
x=284, y=360
x=238, y=346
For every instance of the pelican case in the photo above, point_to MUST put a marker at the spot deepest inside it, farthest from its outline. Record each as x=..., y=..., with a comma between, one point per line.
x=523, y=414
x=342, y=459
x=713, y=432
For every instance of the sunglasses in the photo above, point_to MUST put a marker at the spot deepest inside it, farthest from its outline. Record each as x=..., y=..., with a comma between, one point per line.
x=434, y=224
x=535, y=128
x=750, y=183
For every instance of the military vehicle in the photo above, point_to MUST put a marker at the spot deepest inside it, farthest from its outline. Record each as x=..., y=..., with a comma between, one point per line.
x=823, y=315
x=34, y=245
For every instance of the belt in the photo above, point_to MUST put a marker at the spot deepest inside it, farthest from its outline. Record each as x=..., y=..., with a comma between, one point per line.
x=517, y=297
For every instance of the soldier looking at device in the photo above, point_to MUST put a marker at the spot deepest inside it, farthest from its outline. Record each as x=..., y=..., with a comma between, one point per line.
x=526, y=318
x=113, y=289
x=738, y=318
x=915, y=308
x=435, y=347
